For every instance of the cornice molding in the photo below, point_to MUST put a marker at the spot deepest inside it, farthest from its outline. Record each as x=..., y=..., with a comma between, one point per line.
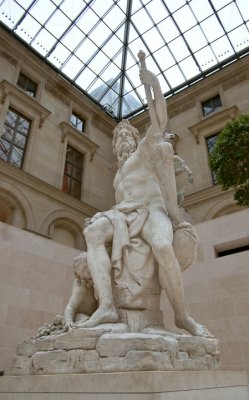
x=69, y=131
x=213, y=119
x=24, y=178
x=103, y=124
x=204, y=195
x=15, y=94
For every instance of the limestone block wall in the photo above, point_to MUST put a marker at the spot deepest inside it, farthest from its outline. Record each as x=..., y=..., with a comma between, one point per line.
x=35, y=284
x=216, y=289
x=51, y=130
x=36, y=277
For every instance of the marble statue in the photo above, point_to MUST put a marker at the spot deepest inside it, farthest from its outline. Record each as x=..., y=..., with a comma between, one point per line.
x=146, y=208
x=179, y=166
x=136, y=250
x=82, y=302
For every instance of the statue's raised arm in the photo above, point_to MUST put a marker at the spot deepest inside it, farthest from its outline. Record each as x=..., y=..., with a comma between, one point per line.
x=156, y=102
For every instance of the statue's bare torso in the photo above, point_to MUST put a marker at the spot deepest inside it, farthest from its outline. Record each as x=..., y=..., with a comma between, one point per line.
x=136, y=181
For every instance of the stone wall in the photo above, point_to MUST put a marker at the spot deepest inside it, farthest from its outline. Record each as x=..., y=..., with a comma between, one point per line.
x=36, y=278
x=216, y=289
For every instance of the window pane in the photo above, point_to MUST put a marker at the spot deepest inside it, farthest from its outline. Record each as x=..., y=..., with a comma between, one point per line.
x=14, y=138
x=28, y=85
x=73, y=172
x=77, y=122
x=211, y=105
x=210, y=145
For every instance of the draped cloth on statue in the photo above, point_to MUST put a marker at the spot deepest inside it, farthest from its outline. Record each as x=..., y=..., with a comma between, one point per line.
x=132, y=259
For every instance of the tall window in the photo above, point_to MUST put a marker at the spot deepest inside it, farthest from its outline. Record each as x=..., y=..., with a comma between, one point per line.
x=210, y=145
x=73, y=172
x=27, y=84
x=14, y=138
x=77, y=122
x=211, y=105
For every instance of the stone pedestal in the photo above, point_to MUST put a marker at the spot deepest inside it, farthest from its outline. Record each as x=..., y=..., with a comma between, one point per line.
x=113, y=348
x=147, y=385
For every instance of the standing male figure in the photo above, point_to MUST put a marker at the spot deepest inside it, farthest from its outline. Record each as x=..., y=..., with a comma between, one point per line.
x=138, y=186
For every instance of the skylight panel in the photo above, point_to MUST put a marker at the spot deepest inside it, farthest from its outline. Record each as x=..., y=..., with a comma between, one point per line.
x=72, y=38
x=87, y=21
x=153, y=39
x=157, y=11
x=222, y=48
x=42, y=10
x=72, y=67
x=195, y=38
x=179, y=48
x=28, y=28
x=182, y=39
x=101, y=7
x=218, y=4
x=112, y=47
x=201, y=9
x=243, y=7
x=184, y=18
x=100, y=34
x=57, y=24
x=212, y=28
x=164, y=58
x=189, y=67
x=168, y=29
x=230, y=17
x=10, y=13
x=114, y=17
x=72, y=8
x=86, y=78
x=86, y=50
x=98, y=62
x=142, y=21
x=110, y=73
x=174, y=76
x=174, y=5
x=239, y=38
x=43, y=42
x=206, y=58
x=59, y=55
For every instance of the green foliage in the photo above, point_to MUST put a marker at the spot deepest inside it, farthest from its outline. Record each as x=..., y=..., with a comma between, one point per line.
x=230, y=158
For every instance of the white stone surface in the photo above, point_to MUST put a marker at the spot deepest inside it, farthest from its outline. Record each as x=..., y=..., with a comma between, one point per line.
x=146, y=385
x=112, y=348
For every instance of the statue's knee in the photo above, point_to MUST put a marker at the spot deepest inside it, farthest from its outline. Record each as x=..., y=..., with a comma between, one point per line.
x=164, y=248
x=90, y=233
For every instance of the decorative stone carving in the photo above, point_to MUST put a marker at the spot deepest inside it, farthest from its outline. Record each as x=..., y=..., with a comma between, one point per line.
x=113, y=321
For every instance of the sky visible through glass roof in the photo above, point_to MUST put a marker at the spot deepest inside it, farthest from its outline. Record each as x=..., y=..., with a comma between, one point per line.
x=95, y=43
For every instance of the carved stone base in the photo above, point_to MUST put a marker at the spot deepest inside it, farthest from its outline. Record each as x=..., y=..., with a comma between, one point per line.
x=112, y=348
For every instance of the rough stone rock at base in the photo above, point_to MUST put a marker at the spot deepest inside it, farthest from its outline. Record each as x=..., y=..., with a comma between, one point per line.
x=112, y=348
x=110, y=345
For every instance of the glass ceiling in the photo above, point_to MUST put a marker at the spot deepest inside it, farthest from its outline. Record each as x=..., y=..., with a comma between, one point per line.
x=94, y=43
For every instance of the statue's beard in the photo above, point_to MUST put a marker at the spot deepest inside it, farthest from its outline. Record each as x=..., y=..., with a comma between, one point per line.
x=124, y=151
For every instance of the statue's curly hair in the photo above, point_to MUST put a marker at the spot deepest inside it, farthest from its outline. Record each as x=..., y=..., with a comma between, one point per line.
x=124, y=124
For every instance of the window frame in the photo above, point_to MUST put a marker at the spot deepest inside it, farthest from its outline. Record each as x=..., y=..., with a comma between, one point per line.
x=78, y=118
x=28, y=81
x=12, y=142
x=214, y=109
x=73, y=168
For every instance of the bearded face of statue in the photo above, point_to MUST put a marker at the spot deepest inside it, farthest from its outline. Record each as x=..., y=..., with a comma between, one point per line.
x=125, y=144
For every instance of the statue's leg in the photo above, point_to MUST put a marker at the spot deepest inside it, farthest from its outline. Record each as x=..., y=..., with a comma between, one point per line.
x=97, y=235
x=157, y=231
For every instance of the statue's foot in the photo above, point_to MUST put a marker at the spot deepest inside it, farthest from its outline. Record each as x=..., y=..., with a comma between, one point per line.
x=102, y=315
x=191, y=326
